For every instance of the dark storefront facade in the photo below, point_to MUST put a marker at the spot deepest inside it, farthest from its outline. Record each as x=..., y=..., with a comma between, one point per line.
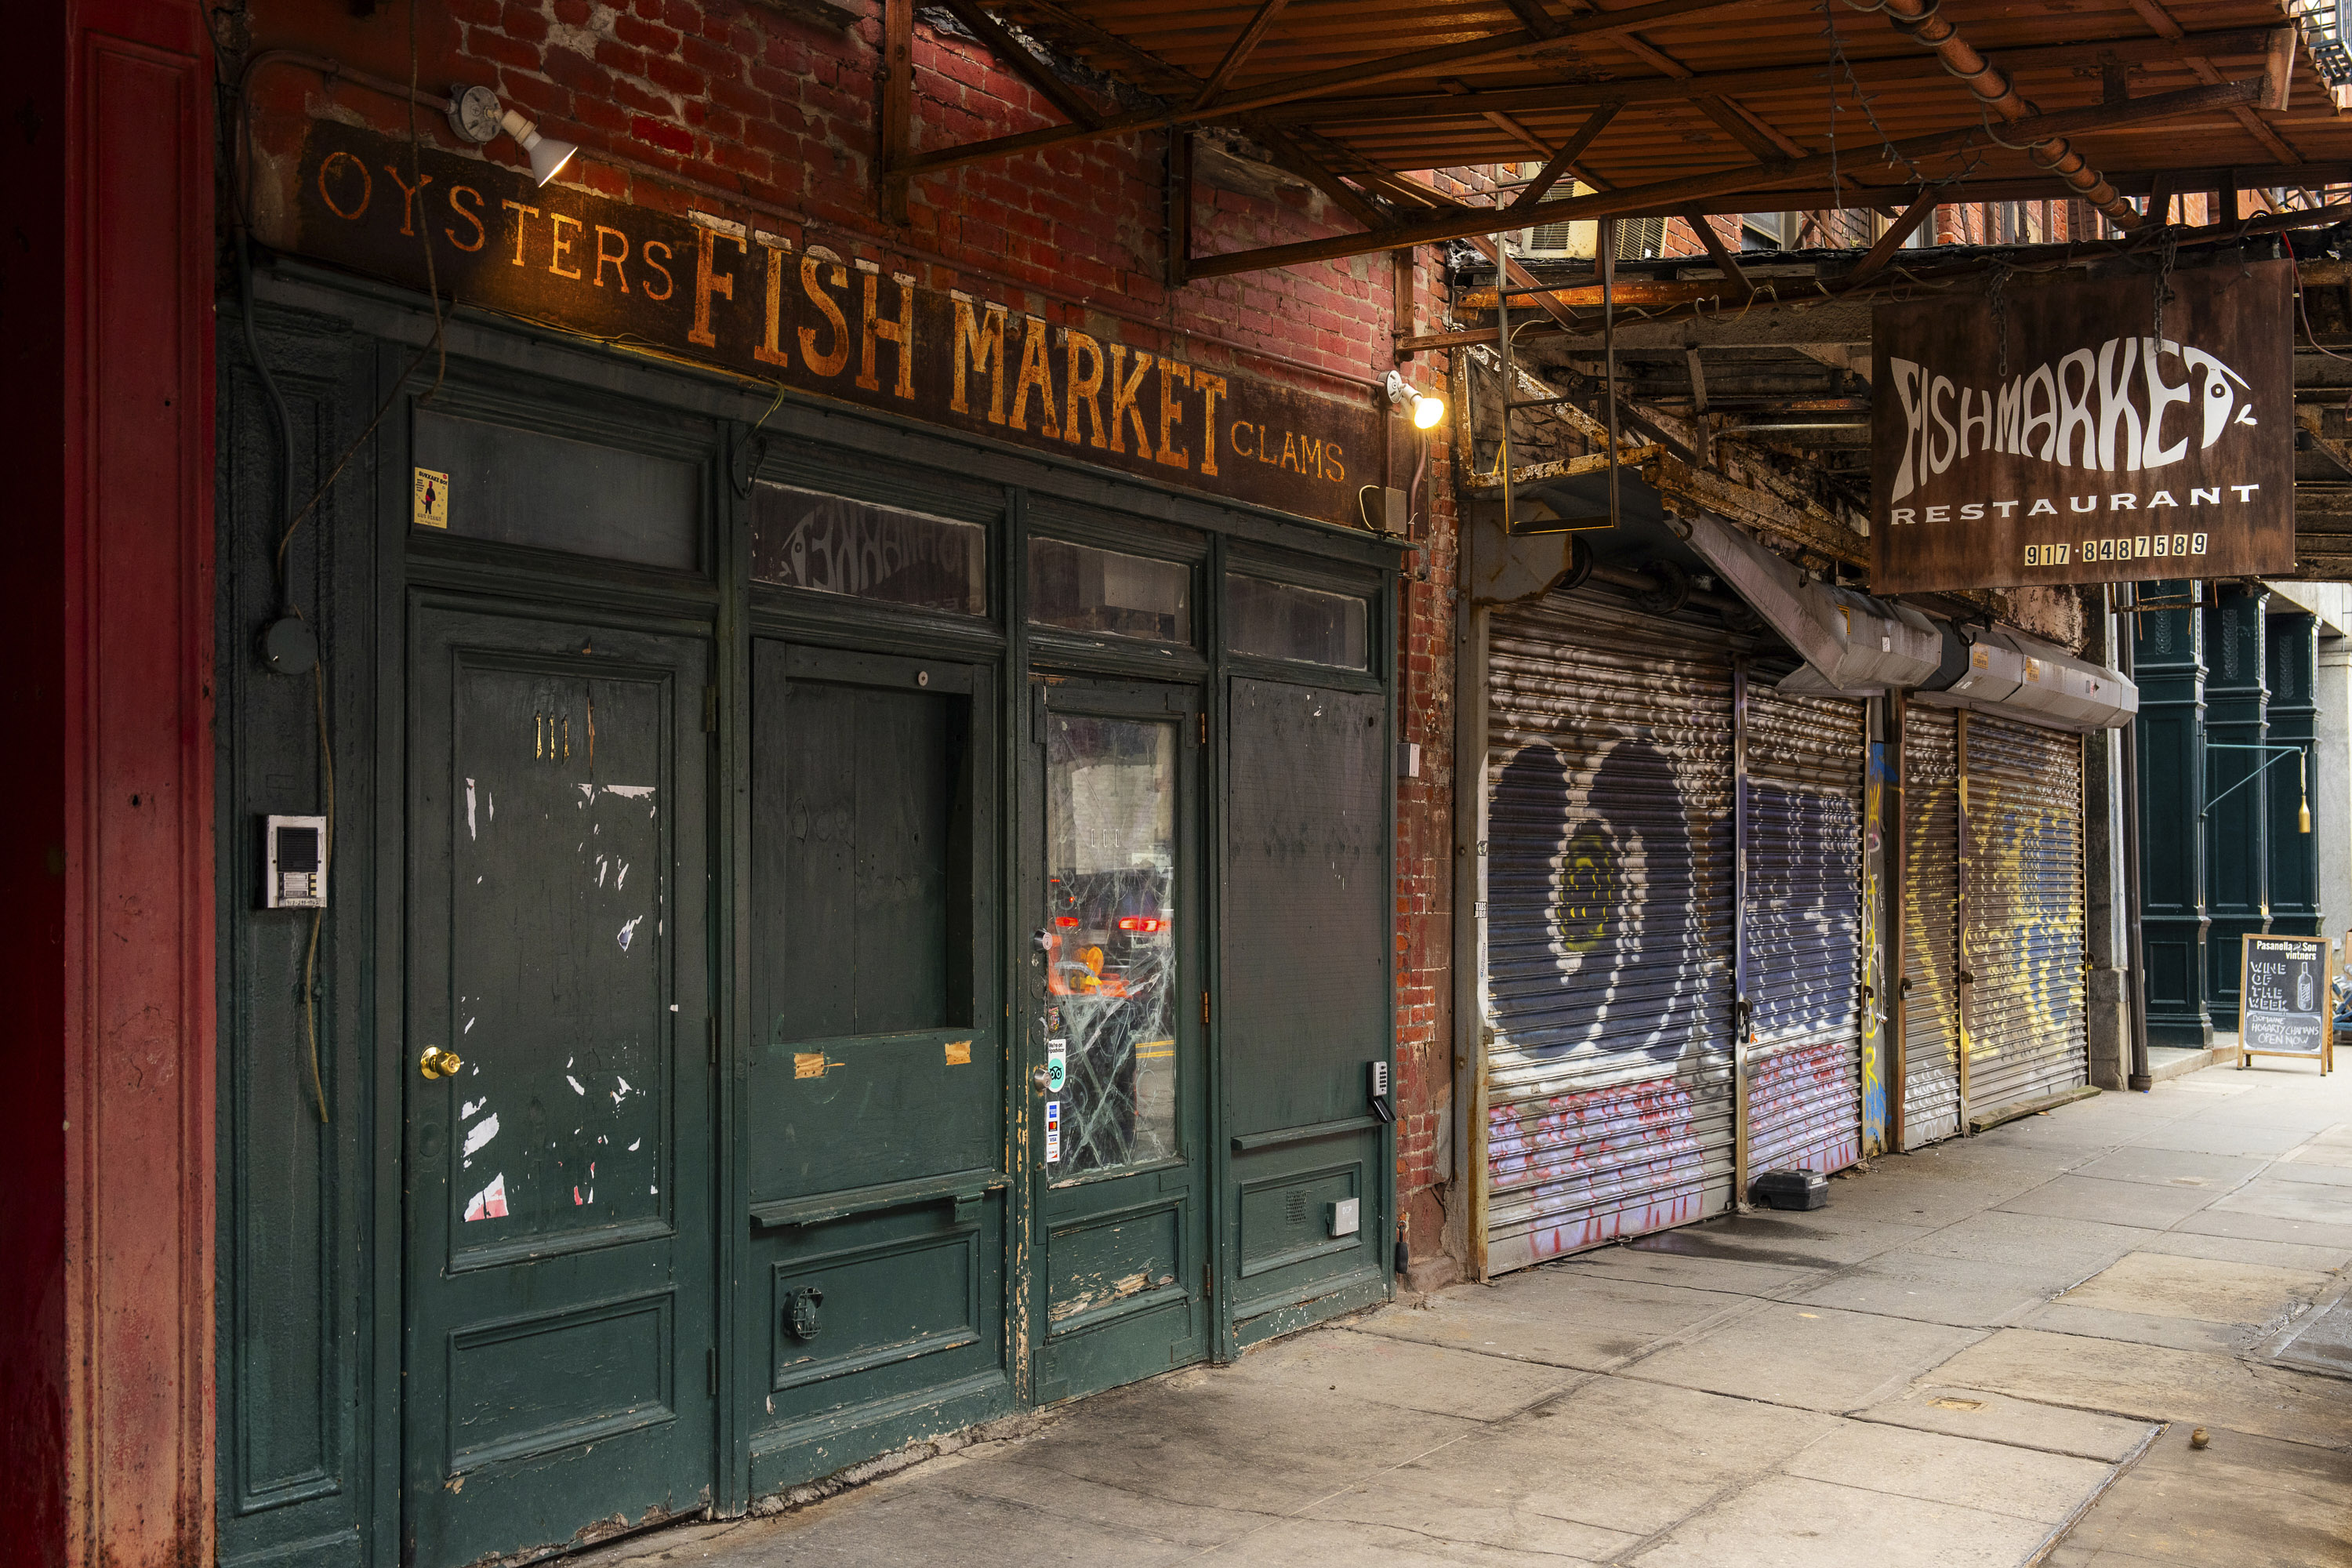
x=958, y=992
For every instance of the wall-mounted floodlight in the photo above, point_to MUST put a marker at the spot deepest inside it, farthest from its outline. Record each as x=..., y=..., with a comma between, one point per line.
x=475, y=114
x=1428, y=412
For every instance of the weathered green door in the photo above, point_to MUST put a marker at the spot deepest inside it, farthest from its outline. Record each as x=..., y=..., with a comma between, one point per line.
x=1118, y=1138
x=873, y=1308
x=557, y=1368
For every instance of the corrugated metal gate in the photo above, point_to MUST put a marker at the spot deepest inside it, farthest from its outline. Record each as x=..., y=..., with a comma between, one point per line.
x=1931, y=903
x=1608, y=1093
x=2023, y=912
x=1803, y=930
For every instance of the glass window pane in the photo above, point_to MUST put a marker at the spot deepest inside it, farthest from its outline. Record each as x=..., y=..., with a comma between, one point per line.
x=804, y=539
x=1275, y=620
x=1110, y=886
x=526, y=487
x=1103, y=591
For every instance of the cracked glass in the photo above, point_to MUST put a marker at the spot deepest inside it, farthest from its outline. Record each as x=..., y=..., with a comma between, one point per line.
x=1110, y=951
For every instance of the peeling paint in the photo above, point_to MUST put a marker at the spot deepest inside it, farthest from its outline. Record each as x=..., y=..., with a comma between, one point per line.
x=490, y=1203
x=575, y=1084
x=480, y=1134
x=628, y=932
x=469, y=810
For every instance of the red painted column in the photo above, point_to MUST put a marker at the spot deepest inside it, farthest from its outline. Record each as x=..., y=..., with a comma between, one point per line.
x=106, y=844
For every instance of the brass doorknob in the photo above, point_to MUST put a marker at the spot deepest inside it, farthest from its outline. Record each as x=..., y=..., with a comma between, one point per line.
x=439, y=1063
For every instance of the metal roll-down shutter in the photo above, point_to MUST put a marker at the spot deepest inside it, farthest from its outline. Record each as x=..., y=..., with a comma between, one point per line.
x=1803, y=930
x=2023, y=912
x=1930, y=895
x=1607, y=974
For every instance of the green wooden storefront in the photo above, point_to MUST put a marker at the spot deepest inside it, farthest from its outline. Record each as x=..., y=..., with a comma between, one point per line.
x=2227, y=702
x=774, y=811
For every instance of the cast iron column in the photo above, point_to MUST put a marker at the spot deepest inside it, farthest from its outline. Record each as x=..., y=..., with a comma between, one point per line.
x=2167, y=660
x=2237, y=869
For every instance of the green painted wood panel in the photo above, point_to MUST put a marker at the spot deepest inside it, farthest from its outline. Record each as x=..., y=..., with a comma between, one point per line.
x=2168, y=650
x=2237, y=829
x=2293, y=657
x=560, y=1293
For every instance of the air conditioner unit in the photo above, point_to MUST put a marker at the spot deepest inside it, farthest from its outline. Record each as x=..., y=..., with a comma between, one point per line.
x=1554, y=241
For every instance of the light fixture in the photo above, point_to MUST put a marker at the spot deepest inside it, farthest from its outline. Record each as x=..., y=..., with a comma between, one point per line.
x=547, y=155
x=1427, y=412
x=475, y=114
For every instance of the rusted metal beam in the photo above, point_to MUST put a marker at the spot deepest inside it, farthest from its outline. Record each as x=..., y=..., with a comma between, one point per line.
x=1842, y=294
x=1673, y=196
x=1786, y=80
x=1244, y=44
x=1716, y=249
x=1028, y=67
x=1924, y=22
x=1561, y=162
x=1297, y=159
x=895, y=106
x=1518, y=43
x=1923, y=207
x=2168, y=28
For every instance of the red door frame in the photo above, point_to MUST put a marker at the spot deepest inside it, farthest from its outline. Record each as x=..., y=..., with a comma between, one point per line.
x=106, y=856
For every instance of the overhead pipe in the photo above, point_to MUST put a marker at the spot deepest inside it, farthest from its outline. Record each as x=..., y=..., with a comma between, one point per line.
x=1924, y=21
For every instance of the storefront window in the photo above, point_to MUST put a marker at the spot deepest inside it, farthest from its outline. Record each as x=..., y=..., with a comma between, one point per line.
x=526, y=487
x=1110, y=885
x=1086, y=589
x=1275, y=620
x=804, y=539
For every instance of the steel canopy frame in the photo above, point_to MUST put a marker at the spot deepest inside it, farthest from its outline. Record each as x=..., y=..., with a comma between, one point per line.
x=1323, y=126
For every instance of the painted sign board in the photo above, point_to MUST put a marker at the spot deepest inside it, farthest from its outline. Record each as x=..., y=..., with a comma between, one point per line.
x=2284, y=1006
x=2058, y=437
x=714, y=288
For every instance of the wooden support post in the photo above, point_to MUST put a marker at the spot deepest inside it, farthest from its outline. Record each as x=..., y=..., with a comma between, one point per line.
x=896, y=110
x=1180, y=206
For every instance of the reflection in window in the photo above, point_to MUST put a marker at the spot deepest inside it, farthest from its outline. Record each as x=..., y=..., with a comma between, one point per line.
x=804, y=539
x=1275, y=620
x=1110, y=944
x=1103, y=591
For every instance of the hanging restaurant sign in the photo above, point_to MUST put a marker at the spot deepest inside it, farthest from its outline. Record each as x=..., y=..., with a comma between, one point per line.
x=710, y=289
x=2064, y=435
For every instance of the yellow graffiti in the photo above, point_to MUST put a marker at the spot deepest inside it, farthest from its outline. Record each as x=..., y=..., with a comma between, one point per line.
x=1586, y=885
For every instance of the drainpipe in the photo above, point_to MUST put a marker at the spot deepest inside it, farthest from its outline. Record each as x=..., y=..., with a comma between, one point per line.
x=1924, y=21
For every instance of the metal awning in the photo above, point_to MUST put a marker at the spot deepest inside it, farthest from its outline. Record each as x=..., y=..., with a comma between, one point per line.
x=1669, y=106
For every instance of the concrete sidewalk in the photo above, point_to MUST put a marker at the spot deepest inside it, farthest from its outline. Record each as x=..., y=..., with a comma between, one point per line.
x=1989, y=1353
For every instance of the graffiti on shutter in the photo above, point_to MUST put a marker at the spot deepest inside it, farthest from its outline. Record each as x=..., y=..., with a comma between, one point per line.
x=1931, y=889
x=1803, y=932
x=1609, y=894
x=2024, y=915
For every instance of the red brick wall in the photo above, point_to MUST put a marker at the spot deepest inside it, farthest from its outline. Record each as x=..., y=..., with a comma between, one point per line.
x=728, y=94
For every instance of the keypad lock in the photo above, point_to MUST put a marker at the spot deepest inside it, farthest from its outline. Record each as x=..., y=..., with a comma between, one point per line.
x=1375, y=1082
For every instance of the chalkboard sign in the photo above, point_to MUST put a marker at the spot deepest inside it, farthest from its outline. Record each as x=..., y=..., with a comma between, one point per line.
x=2285, y=1009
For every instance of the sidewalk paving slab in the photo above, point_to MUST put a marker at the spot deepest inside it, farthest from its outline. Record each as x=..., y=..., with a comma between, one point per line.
x=2243, y=1502
x=1932, y=1467
x=2153, y=1382
x=1990, y=1418
x=1812, y=1358
x=2134, y=1203
x=1790, y=1521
